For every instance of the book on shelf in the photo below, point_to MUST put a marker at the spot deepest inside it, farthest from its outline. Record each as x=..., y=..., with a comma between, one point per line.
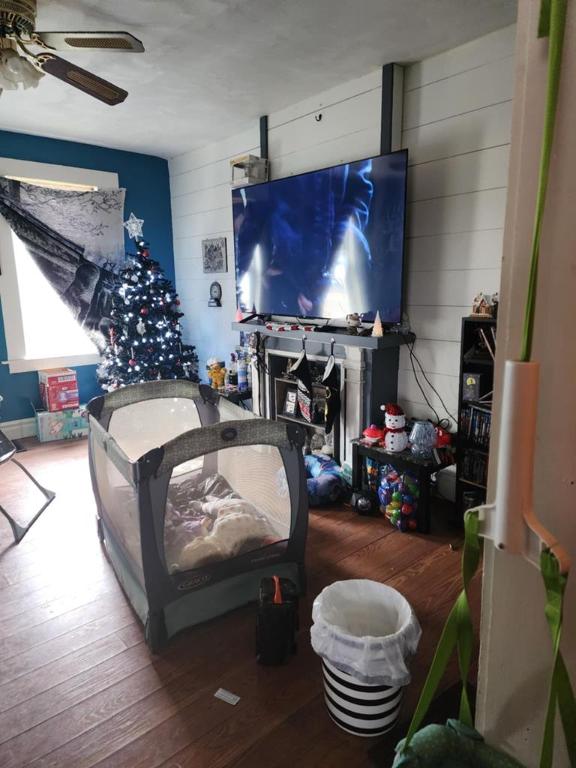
x=475, y=467
x=476, y=423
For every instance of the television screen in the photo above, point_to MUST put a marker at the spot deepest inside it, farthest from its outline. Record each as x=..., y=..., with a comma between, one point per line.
x=324, y=244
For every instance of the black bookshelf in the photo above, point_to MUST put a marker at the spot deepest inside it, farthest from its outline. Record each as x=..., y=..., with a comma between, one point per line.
x=474, y=411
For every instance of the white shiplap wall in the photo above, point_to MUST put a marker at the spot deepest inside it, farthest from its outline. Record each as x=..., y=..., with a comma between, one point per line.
x=456, y=126
x=200, y=184
x=457, y=120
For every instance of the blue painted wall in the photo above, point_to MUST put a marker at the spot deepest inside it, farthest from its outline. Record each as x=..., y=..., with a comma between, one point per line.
x=147, y=185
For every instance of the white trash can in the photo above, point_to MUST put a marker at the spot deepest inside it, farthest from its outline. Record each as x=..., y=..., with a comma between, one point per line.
x=365, y=632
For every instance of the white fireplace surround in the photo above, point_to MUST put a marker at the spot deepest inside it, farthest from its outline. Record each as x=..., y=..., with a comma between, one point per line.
x=352, y=394
x=368, y=372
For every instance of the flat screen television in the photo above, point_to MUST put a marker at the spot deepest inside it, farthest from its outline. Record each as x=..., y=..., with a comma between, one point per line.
x=324, y=244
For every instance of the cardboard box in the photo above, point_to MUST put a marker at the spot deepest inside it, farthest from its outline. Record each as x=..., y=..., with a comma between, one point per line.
x=62, y=425
x=59, y=389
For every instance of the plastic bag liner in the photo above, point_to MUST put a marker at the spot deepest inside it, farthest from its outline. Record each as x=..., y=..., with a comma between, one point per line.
x=367, y=630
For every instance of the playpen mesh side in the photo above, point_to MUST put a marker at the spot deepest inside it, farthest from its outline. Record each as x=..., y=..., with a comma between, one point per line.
x=228, y=411
x=119, y=500
x=237, y=502
x=142, y=426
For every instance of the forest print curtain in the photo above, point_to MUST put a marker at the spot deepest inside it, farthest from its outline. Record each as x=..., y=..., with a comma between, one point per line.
x=77, y=241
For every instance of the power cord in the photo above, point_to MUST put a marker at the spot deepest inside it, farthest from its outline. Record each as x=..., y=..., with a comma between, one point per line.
x=413, y=357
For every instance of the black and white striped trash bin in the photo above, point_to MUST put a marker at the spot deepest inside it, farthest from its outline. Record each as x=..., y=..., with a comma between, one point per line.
x=365, y=633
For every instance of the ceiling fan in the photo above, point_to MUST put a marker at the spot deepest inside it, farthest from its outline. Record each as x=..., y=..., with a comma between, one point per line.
x=20, y=66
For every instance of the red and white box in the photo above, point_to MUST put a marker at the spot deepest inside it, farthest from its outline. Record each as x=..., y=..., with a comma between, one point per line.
x=59, y=389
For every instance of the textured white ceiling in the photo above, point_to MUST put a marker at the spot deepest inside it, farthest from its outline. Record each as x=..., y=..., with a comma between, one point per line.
x=212, y=66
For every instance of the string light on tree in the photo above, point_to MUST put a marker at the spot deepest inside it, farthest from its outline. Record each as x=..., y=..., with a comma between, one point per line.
x=145, y=340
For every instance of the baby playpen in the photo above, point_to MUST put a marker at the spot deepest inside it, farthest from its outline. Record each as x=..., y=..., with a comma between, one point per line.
x=197, y=500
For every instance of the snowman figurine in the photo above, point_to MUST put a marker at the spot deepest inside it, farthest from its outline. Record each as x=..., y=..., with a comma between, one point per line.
x=395, y=435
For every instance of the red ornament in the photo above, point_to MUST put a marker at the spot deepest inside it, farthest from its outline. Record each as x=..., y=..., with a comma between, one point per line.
x=177, y=302
x=132, y=362
x=144, y=311
x=145, y=253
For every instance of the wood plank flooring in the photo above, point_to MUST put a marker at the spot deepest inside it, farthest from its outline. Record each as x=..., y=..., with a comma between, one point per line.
x=79, y=689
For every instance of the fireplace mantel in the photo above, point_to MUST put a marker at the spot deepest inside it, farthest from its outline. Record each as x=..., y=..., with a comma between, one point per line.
x=389, y=339
x=368, y=372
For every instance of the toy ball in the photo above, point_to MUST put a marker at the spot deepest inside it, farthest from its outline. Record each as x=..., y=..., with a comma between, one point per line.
x=412, y=525
x=407, y=509
x=395, y=504
x=408, y=499
x=384, y=496
x=403, y=524
x=363, y=505
x=396, y=496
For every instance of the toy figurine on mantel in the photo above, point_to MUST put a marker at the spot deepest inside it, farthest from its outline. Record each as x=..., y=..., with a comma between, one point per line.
x=395, y=435
x=354, y=323
x=485, y=305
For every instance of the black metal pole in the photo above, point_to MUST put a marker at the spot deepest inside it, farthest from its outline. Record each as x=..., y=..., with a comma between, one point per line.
x=264, y=137
x=386, y=115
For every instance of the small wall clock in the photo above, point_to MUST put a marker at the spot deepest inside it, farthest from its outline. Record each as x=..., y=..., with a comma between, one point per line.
x=215, y=295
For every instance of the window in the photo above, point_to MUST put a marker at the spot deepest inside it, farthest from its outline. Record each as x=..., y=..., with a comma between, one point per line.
x=40, y=330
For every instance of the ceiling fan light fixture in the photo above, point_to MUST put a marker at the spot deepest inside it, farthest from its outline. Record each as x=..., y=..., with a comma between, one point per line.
x=16, y=71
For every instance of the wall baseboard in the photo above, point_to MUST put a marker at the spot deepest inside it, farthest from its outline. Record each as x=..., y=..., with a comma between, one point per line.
x=19, y=428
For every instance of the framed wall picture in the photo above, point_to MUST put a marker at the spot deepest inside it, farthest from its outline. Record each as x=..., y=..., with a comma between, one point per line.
x=290, y=403
x=214, y=256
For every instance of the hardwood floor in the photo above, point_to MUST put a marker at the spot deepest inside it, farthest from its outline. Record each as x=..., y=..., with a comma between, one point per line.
x=78, y=687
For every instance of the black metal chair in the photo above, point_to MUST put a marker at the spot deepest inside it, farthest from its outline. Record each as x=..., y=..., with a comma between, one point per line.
x=7, y=451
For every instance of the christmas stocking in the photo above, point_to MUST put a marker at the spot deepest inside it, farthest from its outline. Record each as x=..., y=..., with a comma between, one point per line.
x=333, y=403
x=301, y=370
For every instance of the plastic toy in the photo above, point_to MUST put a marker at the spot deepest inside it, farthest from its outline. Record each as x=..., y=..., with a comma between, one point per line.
x=216, y=373
x=371, y=474
x=398, y=496
x=395, y=435
x=373, y=434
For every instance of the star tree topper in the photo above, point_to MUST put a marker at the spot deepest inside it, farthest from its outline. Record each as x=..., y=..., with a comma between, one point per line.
x=134, y=227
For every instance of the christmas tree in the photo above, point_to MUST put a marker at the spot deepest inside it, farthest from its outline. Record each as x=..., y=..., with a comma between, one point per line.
x=145, y=339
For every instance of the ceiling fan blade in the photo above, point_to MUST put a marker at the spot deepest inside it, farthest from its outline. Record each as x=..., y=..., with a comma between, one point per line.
x=80, y=78
x=123, y=42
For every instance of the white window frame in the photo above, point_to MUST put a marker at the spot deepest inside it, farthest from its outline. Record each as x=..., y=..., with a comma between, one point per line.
x=11, y=311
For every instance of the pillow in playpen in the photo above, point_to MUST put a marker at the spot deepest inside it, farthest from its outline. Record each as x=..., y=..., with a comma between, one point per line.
x=238, y=527
x=197, y=553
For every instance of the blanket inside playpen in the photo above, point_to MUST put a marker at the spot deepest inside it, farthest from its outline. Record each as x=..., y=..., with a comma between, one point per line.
x=206, y=521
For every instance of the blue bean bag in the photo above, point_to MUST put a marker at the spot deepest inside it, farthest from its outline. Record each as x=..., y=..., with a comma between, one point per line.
x=325, y=482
